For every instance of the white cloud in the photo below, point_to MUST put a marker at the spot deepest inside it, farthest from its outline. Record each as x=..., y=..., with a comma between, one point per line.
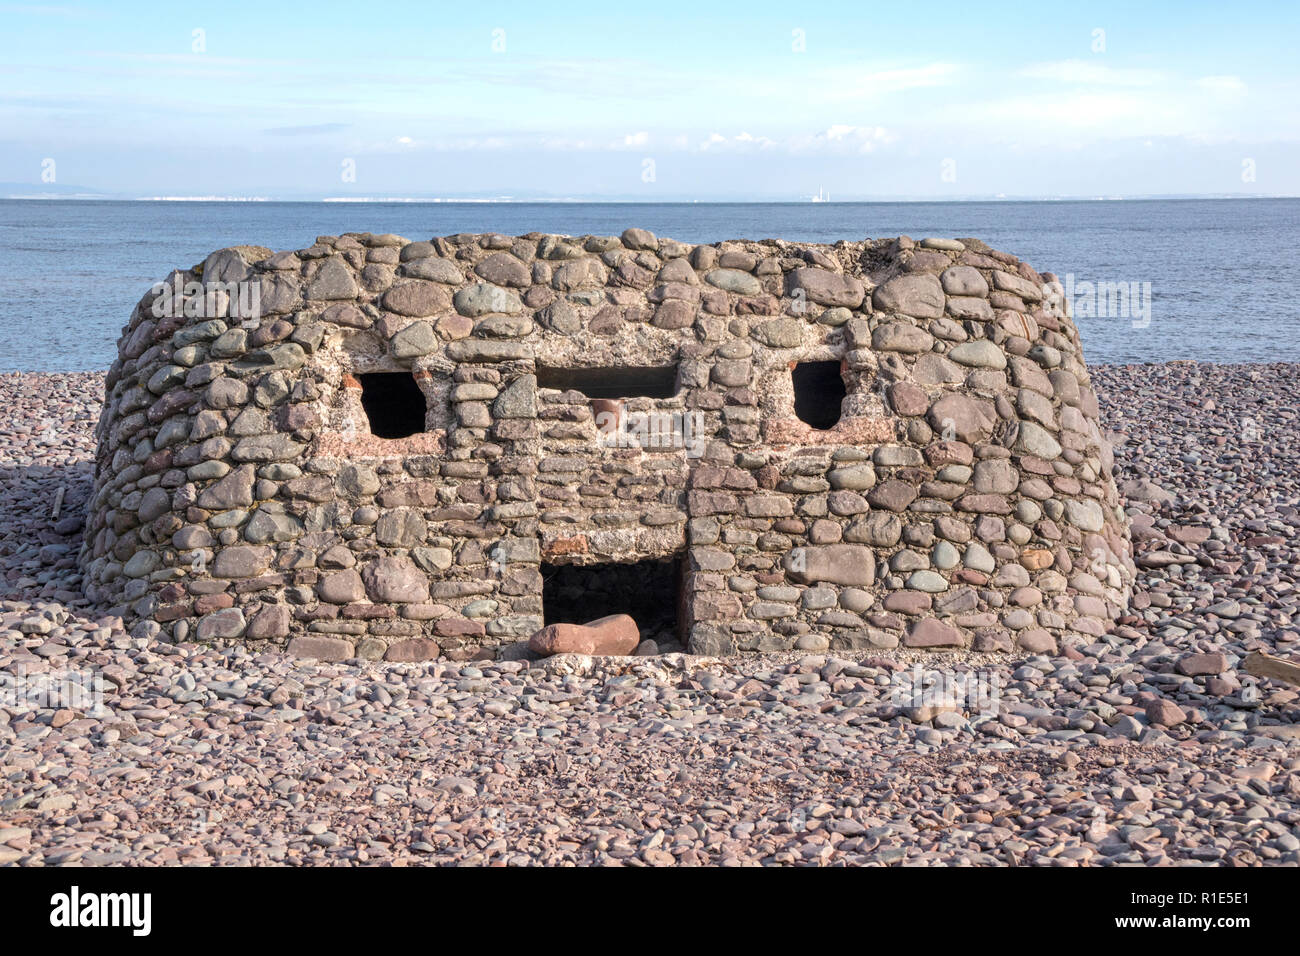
x=742, y=142
x=842, y=138
x=1210, y=108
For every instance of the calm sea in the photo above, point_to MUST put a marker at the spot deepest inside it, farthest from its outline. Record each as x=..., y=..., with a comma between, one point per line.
x=1222, y=274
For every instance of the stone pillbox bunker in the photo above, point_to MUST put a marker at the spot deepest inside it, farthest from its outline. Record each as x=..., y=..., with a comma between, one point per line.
x=378, y=448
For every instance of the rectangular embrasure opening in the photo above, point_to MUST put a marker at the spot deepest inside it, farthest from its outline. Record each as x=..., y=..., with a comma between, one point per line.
x=393, y=403
x=640, y=381
x=651, y=591
x=818, y=393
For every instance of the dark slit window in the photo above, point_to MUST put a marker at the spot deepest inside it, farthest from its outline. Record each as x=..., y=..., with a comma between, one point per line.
x=818, y=392
x=658, y=381
x=393, y=403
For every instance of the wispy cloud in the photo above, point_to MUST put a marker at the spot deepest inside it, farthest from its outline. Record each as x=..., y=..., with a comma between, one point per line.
x=843, y=139
x=576, y=103
x=742, y=141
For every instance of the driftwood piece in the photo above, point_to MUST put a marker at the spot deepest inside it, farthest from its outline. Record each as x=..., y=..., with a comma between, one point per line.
x=1265, y=665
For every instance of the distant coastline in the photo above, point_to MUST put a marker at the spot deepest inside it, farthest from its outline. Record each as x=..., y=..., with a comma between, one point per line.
x=73, y=196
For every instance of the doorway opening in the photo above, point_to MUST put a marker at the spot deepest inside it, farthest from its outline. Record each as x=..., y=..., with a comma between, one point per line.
x=650, y=591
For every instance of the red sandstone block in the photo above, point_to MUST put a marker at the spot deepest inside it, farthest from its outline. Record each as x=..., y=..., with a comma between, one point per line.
x=412, y=649
x=1165, y=712
x=272, y=621
x=369, y=612
x=907, y=602
x=931, y=632
x=172, y=612
x=458, y=627
x=321, y=648
x=1035, y=559
x=577, y=544
x=213, y=602
x=1199, y=665
x=1036, y=641
x=172, y=592
x=616, y=635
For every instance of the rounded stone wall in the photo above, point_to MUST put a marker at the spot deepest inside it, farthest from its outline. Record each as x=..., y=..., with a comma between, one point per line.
x=371, y=447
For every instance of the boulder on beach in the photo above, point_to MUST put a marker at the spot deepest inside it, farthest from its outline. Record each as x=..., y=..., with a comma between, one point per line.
x=613, y=636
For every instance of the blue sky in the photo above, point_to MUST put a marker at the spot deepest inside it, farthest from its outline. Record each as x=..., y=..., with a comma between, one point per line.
x=651, y=100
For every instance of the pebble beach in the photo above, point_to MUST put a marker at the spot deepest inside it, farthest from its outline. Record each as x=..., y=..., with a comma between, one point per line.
x=1146, y=746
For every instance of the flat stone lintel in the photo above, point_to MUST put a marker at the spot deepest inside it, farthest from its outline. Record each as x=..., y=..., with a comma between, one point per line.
x=848, y=431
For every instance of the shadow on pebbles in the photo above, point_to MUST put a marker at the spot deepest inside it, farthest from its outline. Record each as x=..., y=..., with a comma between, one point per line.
x=1146, y=746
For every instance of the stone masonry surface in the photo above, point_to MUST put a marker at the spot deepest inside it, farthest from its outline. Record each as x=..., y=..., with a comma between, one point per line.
x=963, y=497
x=1146, y=746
